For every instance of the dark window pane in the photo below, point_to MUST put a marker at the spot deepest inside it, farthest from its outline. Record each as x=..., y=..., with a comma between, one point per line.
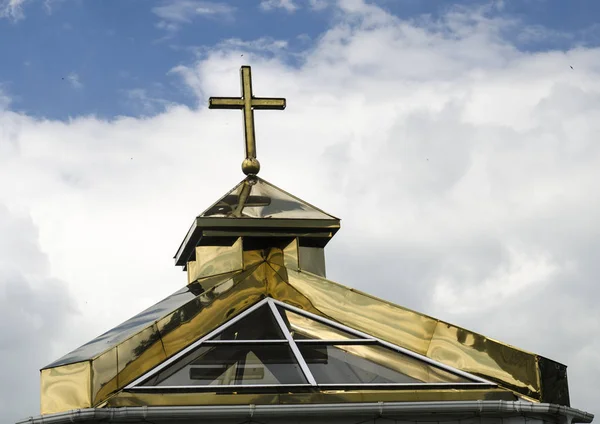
x=226, y=365
x=303, y=328
x=258, y=325
x=369, y=364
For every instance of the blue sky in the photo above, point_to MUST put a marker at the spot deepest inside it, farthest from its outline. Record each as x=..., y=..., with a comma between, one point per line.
x=468, y=132
x=65, y=58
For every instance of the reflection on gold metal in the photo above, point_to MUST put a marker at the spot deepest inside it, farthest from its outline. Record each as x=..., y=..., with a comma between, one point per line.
x=290, y=255
x=365, y=313
x=510, y=367
x=138, y=353
x=255, y=197
x=214, y=260
x=474, y=353
x=325, y=396
x=248, y=103
x=66, y=387
x=209, y=310
x=271, y=271
x=104, y=375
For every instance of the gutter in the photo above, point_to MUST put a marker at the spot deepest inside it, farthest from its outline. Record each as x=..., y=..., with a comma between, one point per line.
x=159, y=414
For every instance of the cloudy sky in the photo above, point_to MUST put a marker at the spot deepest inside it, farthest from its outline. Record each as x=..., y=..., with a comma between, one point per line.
x=458, y=143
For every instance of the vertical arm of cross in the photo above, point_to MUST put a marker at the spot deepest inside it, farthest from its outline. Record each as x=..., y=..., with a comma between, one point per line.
x=246, y=79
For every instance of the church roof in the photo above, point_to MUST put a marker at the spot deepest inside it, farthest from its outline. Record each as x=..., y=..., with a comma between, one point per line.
x=100, y=372
x=258, y=323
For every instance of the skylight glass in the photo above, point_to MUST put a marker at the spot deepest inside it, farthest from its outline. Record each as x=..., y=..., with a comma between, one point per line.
x=272, y=344
x=302, y=327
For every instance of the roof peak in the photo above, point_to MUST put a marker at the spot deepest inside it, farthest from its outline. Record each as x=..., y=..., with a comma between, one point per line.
x=258, y=209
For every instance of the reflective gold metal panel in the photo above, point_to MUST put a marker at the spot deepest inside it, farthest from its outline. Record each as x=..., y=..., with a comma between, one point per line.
x=365, y=313
x=290, y=255
x=510, y=367
x=138, y=345
x=328, y=396
x=125, y=330
x=474, y=353
x=104, y=375
x=66, y=387
x=138, y=354
x=214, y=260
x=209, y=310
x=257, y=198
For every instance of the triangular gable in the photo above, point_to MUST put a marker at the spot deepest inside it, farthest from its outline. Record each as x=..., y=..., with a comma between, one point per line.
x=257, y=198
x=274, y=345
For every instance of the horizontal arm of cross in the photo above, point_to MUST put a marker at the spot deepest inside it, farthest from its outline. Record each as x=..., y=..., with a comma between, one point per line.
x=225, y=103
x=238, y=103
x=268, y=103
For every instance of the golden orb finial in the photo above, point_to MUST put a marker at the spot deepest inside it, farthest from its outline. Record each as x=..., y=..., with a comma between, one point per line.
x=250, y=166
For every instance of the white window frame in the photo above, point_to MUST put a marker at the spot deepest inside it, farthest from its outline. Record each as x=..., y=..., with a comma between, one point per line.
x=361, y=338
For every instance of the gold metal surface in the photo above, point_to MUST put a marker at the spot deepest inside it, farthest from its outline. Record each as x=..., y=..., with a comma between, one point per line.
x=104, y=375
x=255, y=197
x=211, y=301
x=365, y=313
x=209, y=310
x=463, y=349
x=326, y=396
x=248, y=103
x=138, y=353
x=66, y=387
x=215, y=260
x=290, y=254
x=474, y=353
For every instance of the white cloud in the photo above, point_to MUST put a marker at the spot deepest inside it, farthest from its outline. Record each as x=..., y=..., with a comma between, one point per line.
x=34, y=309
x=288, y=5
x=465, y=172
x=73, y=79
x=144, y=102
x=174, y=13
x=318, y=4
x=263, y=44
x=12, y=9
x=4, y=100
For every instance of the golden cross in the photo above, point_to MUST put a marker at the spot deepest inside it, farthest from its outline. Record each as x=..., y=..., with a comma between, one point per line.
x=248, y=103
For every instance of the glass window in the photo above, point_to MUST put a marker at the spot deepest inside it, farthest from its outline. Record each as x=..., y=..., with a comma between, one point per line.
x=254, y=351
x=258, y=325
x=224, y=365
x=369, y=364
x=303, y=328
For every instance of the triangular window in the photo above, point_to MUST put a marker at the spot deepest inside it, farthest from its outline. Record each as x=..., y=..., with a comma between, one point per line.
x=257, y=198
x=260, y=324
x=273, y=344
